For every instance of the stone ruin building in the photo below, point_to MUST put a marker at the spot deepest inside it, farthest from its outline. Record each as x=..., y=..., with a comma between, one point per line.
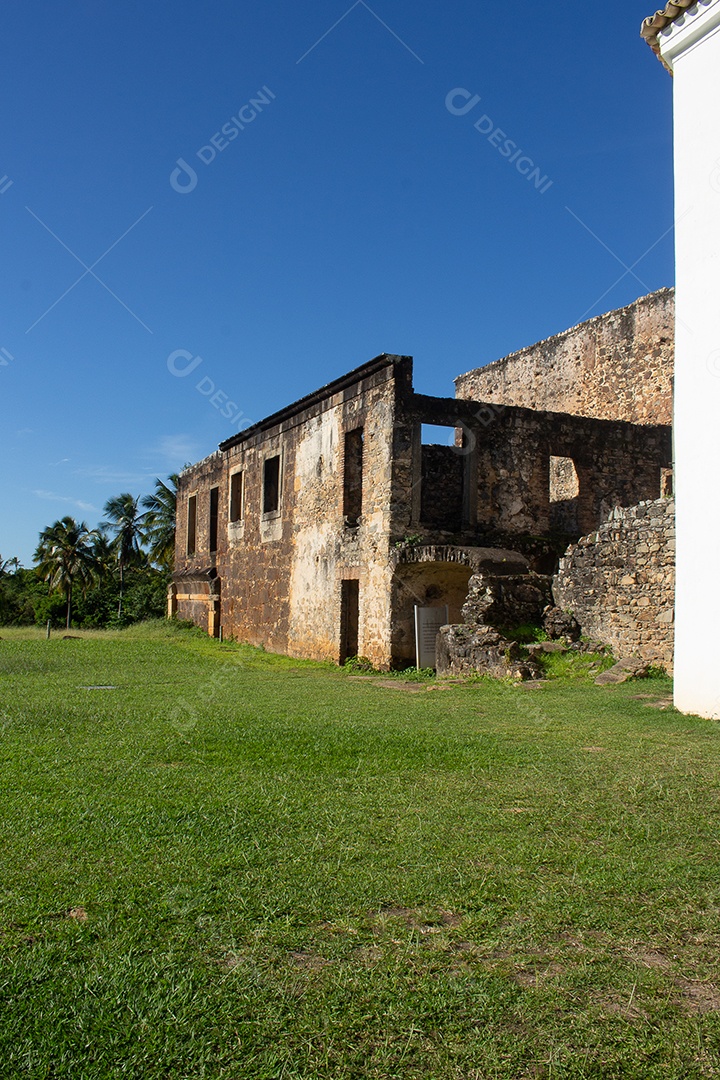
x=317, y=531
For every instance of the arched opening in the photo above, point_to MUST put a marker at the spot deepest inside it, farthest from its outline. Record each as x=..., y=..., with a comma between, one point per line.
x=427, y=584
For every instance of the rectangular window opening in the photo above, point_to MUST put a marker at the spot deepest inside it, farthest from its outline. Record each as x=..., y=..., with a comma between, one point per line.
x=236, y=497
x=353, y=476
x=191, y=524
x=271, y=485
x=564, y=492
x=438, y=435
x=214, y=503
x=666, y=484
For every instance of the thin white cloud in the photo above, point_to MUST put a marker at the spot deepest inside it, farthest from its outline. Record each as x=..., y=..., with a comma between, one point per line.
x=168, y=454
x=175, y=450
x=51, y=496
x=110, y=474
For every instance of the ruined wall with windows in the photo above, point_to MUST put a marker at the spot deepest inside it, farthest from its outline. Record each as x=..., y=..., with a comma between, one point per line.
x=194, y=592
x=552, y=473
x=524, y=472
x=288, y=536
x=617, y=366
x=304, y=519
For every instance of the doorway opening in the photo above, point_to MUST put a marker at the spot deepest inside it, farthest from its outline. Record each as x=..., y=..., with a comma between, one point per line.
x=349, y=619
x=564, y=495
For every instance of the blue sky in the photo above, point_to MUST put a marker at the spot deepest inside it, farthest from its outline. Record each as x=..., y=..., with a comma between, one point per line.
x=355, y=213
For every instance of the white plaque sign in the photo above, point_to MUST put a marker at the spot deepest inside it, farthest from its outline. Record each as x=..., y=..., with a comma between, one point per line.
x=428, y=621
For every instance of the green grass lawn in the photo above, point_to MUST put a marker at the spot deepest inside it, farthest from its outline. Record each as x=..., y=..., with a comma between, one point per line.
x=220, y=863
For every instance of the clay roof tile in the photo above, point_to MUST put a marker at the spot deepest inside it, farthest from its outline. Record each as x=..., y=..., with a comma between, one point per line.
x=655, y=24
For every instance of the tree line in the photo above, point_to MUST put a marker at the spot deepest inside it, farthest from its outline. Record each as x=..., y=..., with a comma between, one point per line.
x=112, y=575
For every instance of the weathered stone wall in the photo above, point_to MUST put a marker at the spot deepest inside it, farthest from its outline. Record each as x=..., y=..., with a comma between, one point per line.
x=435, y=575
x=619, y=582
x=441, y=500
x=481, y=650
x=277, y=576
x=617, y=464
x=506, y=602
x=506, y=469
x=196, y=595
x=617, y=366
x=284, y=569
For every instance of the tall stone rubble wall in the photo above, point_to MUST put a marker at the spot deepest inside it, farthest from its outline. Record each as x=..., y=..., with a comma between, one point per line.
x=619, y=582
x=617, y=366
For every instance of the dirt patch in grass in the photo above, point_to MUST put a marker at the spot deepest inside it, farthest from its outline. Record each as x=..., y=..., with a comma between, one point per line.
x=653, y=702
x=529, y=978
x=653, y=958
x=393, y=684
x=307, y=960
x=466, y=947
x=230, y=961
x=628, y=1010
x=699, y=997
x=368, y=956
x=414, y=919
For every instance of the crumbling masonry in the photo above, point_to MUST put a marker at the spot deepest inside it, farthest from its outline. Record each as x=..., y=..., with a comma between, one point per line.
x=316, y=531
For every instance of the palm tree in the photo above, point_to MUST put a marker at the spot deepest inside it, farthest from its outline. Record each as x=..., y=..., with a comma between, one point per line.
x=64, y=558
x=160, y=520
x=124, y=519
x=104, y=560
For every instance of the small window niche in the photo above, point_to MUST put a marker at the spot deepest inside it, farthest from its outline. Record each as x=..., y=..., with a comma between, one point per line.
x=564, y=493
x=213, y=524
x=353, y=477
x=237, y=510
x=191, y=524
x=271, y=485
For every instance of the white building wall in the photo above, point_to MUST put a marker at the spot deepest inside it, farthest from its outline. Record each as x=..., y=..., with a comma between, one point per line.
x=691, y=46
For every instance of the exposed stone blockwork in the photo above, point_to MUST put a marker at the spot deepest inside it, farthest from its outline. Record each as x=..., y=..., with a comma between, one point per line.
x=619, y=582
x=316, y=531
x=279, y=566
x=506, y=602
x=502, y=593
x=481, y=650
x=617, y=366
